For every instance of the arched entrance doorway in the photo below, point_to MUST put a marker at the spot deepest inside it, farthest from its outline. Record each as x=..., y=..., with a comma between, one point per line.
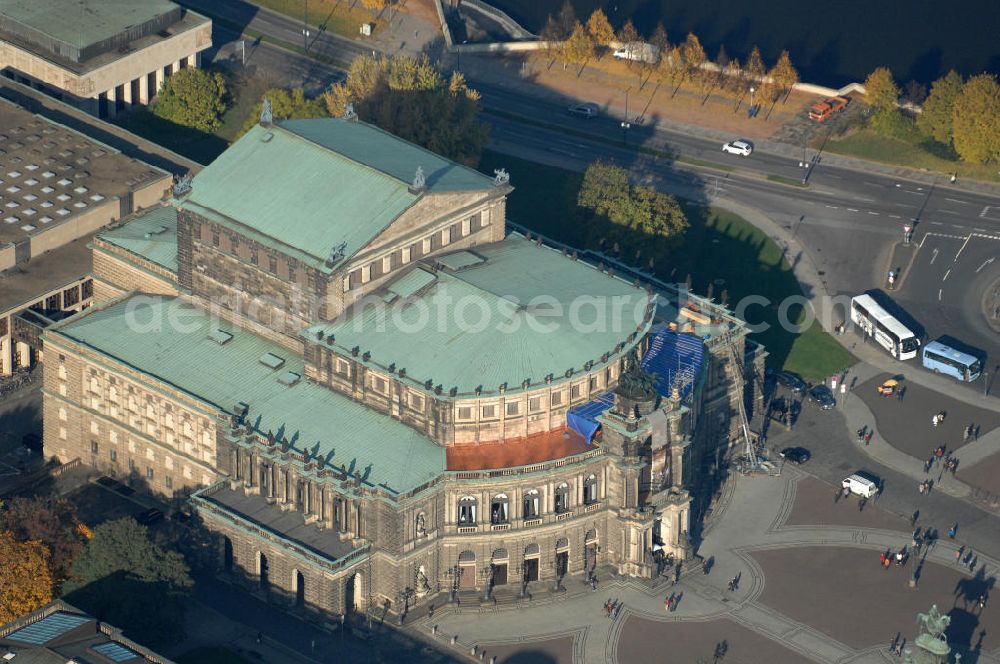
x=300, y=589
x=467, y=565
x=500, y=560
x=590, y=552
x=562, y=557
x=262, y=571
x=531, y=554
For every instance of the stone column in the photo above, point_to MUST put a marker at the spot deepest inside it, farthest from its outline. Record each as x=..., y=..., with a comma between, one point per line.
x=112, y=103
x=127, y=93
x=177, y=66
x=192, y=60
x=160, y=77
x=6, y=359
x=144, y=89
x=24, y=355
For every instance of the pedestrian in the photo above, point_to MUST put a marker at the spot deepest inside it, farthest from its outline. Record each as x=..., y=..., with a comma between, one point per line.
x=899, y=393
x=881, y=559
x=953, y=531
x=958, y=555
x=934, y=419
x=927, y=465
x=868, y=438
x=975, y=433
x=972, y=564
x=913, y=519
x=862, y=503
x=982, y=601
x=954, y=177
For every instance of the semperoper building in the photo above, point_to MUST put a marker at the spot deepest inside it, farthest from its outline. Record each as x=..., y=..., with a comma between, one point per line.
x=375, y=392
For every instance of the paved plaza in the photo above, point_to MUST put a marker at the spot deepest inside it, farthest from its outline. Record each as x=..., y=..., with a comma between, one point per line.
x=812, y=588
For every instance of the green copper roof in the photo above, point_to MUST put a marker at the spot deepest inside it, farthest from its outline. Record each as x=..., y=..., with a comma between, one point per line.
x=523, y=313
x=323, y=186
x=369, y=145
x=170, y=341
x=411, y=282
x=84, y=22
x=152, y=236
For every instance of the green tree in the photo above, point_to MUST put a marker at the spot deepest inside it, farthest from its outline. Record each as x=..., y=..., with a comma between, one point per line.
x=193, y=97
x=976, y=120
x=881, y=90
x=600, y=28
x=637, y=215
x=935, y=120
x=579, y=48
x=122, y=577
x=412, y=99
x=288, y=105
x=755, y=68
x=49, y=520
x=25, y=580
x=783, y=74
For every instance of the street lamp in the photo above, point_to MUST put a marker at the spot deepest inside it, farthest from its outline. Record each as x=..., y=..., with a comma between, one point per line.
x=305, y=25
x=752, y=90
x=625, y=122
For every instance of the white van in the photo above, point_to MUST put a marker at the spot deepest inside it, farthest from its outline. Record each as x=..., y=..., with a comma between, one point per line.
x=861, y=484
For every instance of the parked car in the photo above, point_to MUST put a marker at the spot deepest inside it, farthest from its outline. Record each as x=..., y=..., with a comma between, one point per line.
x=585, y=110
x=791, y=381
x=149, y=517
x=740, y=146
x=822, y=396
x=797, y=455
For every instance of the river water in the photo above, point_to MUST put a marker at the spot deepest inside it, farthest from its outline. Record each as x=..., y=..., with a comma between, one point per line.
x=831, y=43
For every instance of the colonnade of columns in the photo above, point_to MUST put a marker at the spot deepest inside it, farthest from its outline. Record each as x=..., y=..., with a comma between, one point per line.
x=138, y=91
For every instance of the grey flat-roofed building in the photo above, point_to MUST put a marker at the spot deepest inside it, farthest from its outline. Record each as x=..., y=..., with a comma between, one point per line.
x=103, y=54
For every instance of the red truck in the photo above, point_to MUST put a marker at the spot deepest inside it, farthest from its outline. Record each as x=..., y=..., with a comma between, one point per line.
x=822, y=110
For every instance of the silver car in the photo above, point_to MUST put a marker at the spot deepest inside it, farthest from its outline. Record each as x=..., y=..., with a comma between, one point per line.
x=585, y=110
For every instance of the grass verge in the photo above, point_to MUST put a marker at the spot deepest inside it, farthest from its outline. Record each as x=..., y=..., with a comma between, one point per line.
x=913, y=152
x=212, y=655
x=791, y=182
x=720, y=248
x=340, y=17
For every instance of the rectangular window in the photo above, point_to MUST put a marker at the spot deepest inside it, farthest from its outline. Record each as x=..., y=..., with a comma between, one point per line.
x=416, y=402
x=347, y=283
x=291, y=273
x=131, y=465
x=593, y=383
x=94, y=449
x=272, y=264
x=465, y=413
x=169, y=481
x=253, y=255
x=535, y=404
x=114, y=456
x=513, y=409
x=574, y=392
x=215, y=239
x=379, y=384
x=149, y=472
x=489, y=412
x=557, y=398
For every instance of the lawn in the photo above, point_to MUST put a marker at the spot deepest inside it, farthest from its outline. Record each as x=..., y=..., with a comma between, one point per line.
x=720, y=248
x=912, y=153
x=342, y=17
x=212, y=655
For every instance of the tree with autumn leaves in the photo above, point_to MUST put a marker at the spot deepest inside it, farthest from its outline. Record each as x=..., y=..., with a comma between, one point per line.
x=25, y=579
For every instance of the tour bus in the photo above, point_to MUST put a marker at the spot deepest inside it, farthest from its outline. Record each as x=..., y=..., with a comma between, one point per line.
x=876, y=323
x=941, y=358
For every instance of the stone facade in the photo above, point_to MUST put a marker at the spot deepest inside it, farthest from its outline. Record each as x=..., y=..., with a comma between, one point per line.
x=319, y=537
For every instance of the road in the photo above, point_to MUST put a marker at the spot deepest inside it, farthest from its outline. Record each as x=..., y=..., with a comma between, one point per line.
x=848, y=220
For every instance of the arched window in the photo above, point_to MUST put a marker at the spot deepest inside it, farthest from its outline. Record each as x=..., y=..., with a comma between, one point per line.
x=467, y=511
x=531, y=504
x=590, y=490
x=499, y=509
x=562, y=498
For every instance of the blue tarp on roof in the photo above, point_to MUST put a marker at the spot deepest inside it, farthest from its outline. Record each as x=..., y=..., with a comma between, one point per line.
x=674, y=356
x=583, y=418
